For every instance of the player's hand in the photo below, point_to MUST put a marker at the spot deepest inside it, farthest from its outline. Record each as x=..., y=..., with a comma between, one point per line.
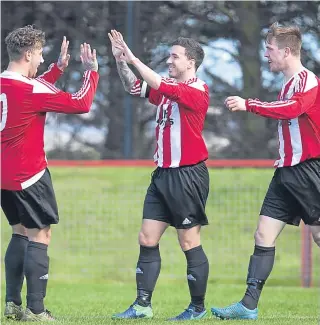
x=120, y=44
x=235, y=103
x=64, y=57
x=88, y=57
x=117, y=51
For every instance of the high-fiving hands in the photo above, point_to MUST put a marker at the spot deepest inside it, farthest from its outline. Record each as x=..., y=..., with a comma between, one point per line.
x=235, y=103
x=88, y=57
x=117, y=50
x=64, y=57
x=120, y=49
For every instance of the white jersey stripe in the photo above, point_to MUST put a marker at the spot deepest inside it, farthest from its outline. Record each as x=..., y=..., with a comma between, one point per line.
x=85, y=88
x=143, y=89
x=176, y=126
x=310, y=82
x=291, y=89
x=277, y=104
x=48, y=84
x=160, y=147
x=159, y=108
x=169, y=81
x=294, y=130
x=135, y=92
x=302, y=82
x=175, y=136
x=296, y=142
x=280, y=162
x=32, y=180
x=40, y=88
x=159, y=152
x=282, y=140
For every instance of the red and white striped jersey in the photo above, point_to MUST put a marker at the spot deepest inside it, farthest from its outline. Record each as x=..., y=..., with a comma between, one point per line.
x=24, y=103
x=298, y=112
x=182, y=107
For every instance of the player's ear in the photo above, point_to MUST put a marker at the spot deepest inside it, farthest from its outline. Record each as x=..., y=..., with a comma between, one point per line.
x=28, y=55
x=287, y=51
x=192, y=63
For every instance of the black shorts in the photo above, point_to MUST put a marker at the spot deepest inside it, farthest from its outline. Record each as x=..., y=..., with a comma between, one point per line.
x=178, y=196
x=294, y=194
x=33, y=207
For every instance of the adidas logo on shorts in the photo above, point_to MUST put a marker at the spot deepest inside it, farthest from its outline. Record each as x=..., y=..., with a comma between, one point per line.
x=186, y=221
x=190, y=277
x=139, y=271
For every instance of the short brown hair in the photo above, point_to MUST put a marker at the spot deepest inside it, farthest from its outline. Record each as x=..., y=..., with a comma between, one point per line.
x=193, y=49
x=23, y=39
x=286, y=36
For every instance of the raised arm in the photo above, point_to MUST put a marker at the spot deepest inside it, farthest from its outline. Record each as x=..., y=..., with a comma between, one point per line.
x=47, y=98
x=152, y=78
x=127, y=77
x=52, y=75
x=55, y=70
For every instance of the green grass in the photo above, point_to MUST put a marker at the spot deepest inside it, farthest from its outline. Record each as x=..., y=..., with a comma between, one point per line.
x=94, y=249
x=85, y=303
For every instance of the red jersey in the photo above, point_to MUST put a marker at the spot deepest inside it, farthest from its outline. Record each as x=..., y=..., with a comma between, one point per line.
x=24, y=103
x=298, y=112
x=182, y=107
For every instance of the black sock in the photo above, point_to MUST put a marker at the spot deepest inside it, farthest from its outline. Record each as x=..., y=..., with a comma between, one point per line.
x=36, y=270
x=260, y=267
x=147, y=272
x=197, y=275
x=13, y=261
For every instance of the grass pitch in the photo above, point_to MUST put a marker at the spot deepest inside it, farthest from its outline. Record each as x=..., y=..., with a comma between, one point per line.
x=94, y=250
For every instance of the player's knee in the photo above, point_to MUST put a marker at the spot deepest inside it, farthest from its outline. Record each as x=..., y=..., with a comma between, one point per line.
x=48, y=235
x=19, y=229
x=40, y=235
x=261, y=238
x=316, y=238
x=147, y=240
x=185, y=246
x=189, y=243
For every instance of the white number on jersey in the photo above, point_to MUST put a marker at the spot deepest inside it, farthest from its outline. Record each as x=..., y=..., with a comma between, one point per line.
x=4, y=113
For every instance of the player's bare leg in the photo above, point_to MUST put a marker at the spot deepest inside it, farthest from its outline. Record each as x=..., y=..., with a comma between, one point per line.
x=315, y=230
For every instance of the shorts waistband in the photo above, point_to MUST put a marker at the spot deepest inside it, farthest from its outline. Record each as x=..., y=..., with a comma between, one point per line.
x=160, y=170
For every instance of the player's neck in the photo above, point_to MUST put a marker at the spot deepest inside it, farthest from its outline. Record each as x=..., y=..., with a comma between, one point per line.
x=294, y=67
x=186, y=77
x=18, y=68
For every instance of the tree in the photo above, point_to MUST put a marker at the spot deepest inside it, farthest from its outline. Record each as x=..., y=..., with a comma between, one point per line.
x=231, y=29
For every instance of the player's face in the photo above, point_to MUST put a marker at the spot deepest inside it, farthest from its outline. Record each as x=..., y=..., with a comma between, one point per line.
x=276, y=57
x=36, y=60
x=178, y=62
